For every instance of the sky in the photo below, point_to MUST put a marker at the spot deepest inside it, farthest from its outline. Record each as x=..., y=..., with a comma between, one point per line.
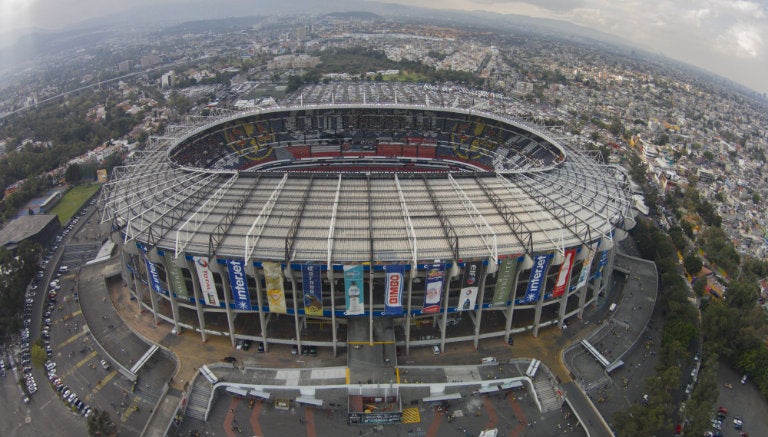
x=727, y=37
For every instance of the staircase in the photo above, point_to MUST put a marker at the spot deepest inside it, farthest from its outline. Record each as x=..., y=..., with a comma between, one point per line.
x=197, y=406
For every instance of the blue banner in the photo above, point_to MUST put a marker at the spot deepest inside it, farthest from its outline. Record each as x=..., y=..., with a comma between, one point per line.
x=312, y=285
x=154, y=278
x=353, y=290
x=434, y=287
x=393, y=303
x=601, y=264
x=538, y=278
x=239, y=284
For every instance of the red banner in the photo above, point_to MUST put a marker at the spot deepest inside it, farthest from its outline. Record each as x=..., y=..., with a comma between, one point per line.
x=565, y=273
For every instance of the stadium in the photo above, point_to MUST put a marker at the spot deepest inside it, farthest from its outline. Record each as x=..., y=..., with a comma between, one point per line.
x=438, y=213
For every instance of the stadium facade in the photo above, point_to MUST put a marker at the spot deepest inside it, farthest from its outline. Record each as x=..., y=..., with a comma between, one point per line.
x=437, y=209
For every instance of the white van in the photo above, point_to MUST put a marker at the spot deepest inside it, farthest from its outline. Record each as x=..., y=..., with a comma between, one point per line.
x=436, y=350
x=489, y=360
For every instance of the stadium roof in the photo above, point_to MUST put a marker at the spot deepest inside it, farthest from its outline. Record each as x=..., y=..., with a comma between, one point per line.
x=337, y=218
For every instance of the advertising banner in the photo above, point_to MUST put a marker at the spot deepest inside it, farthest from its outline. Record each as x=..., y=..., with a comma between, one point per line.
x=434, y=287
x=538, y=278
x=273, y=276
x=312, y=285
x=393, y=302
x=469, y=285
x=601, y=263
x=205, y=277
x=154, y=278
x=584, y=274
x=239, y=284
x=353, y=290
x=505, y=281
x=565, y=273
x=175, y=277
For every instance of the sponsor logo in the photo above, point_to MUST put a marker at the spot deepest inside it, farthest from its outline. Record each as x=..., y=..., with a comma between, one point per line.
x=538, y=273
x=393, y=294
x=202, y=262
x=472, y=274
x=238, y=280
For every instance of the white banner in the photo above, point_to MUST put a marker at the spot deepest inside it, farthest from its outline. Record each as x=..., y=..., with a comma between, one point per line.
x=207, y=286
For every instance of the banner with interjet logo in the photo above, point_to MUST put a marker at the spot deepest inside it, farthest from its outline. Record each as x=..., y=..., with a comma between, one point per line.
x=538, y=278
x=239, y=284
x=312, y=285
x=470, y=286
x=205, y=277
x=565, y=273
x=393, y=300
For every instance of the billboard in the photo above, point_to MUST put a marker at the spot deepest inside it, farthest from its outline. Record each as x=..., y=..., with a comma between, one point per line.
x=601, y=264
x=353, y=290
x=154, y=277
x=205, y=277
x=505, y=281
x=433, y=287
x=393, y=302
x=101, y=175
x=538, y=278
x=565, y=273
x=312, y=286
x=273, y=276
x=470, y=285
x=175, y=277
x=584, y=274
x=239, y=284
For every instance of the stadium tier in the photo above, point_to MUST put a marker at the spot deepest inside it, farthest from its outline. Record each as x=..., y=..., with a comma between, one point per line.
x=415, y=203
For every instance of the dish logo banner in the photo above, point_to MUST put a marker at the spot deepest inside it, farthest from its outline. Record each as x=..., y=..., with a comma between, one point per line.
x=273, y=276
x=538, y=278
x=434, y=287
x=312, y=284
x=353, y=290
x=470, y=282
x=584, y=274
x=505, y=281
x=177, y=278
x=205, y=276
x=565, y=273
x=239, y=284
x=393, y=303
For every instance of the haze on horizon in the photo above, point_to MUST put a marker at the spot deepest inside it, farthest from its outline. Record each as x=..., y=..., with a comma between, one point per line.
x=726, y=37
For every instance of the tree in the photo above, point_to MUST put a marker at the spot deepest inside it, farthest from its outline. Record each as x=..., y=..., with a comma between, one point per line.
x=73, y=174
x=100, y=424
x=692, y=264
x=700, y=286
x=38, y=354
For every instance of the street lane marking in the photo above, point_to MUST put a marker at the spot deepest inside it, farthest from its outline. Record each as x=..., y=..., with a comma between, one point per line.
x=80, y=363
x=101, y=384
x=73, y=338
x=130, y=408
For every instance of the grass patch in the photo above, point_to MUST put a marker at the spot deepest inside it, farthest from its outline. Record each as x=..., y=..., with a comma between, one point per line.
x=73, y=201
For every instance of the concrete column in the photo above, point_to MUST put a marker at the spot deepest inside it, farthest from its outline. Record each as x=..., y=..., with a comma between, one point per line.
x=329, y=274
x=222, y=271
x=414, y=272
x=182, y=261
x=250, y=270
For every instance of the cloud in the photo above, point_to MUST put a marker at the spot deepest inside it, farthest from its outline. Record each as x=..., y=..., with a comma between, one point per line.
x=742, y=41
